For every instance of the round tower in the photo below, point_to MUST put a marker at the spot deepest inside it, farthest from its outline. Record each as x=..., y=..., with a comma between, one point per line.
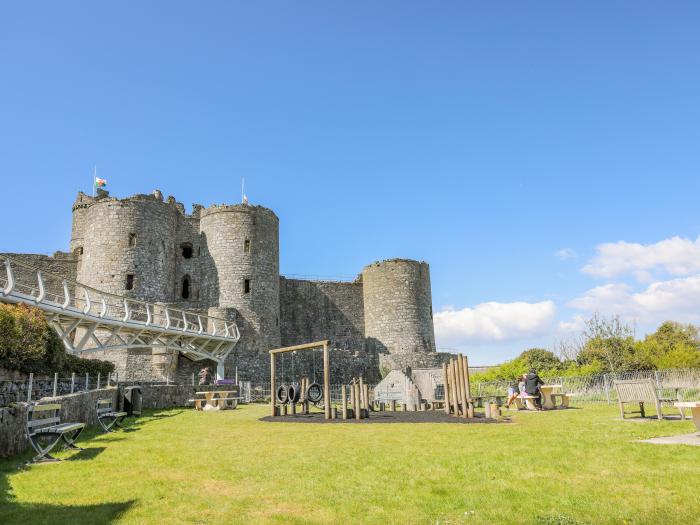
x=398, y=307
x=77, y=234
x=243, y=246
x=129, y=247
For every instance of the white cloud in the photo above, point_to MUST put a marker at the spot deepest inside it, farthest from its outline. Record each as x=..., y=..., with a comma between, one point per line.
x=565, y=254
x=493, y=321
x=677, y=299
x=677, y=256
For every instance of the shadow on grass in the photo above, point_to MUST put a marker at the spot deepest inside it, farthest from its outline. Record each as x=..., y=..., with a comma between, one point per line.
x=15, y=512
x=87, y=454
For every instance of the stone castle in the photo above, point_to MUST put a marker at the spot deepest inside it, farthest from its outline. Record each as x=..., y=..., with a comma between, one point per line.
x=223, y=260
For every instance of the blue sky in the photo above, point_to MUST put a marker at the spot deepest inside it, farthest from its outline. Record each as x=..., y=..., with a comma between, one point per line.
x=484, y=138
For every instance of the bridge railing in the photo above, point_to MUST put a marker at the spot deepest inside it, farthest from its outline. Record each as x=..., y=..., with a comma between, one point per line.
x=25, y=283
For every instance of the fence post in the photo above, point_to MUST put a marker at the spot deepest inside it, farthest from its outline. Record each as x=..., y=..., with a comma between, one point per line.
x=72, y=382
x=87, y=379
x=55, y=384
x=607, y=387
x=98, y=381
x=29, y=389
x=658, y=380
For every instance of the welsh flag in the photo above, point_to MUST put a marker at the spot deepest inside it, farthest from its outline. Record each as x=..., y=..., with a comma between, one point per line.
x=100, y=183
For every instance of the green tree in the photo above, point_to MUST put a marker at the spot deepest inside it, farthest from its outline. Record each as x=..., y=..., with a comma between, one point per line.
x=541, y=360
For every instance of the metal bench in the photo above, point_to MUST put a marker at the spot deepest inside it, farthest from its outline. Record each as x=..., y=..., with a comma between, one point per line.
x=106, y=416
x=44, y=425
x=639, y=391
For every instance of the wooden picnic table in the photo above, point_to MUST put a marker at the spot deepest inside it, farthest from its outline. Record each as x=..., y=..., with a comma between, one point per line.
x=547, y=399
x=216, y=399
x=694, y=407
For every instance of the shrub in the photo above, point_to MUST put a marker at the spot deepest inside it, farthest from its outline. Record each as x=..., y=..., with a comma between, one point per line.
x=28, y=344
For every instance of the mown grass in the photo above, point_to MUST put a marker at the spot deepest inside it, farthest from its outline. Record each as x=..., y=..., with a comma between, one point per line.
x=181, y=466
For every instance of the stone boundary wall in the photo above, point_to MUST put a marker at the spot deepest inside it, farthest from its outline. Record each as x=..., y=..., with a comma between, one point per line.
x=80, y=406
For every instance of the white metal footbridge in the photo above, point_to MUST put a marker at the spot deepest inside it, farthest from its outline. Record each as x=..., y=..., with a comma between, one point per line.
x=88, y=320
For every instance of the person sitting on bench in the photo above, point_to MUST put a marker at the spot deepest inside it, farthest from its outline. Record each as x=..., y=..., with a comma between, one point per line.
x=514, y=390
x=532, y=387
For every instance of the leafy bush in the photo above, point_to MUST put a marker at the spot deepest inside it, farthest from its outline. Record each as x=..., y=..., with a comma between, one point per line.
x=28, y=344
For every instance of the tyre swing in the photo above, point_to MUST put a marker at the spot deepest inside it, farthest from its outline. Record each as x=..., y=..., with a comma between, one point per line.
x=314, y=392
x=282, y=391
x=293, y=390
x=288, y=393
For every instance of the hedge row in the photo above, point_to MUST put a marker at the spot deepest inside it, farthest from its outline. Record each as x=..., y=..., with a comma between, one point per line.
x=28, y=344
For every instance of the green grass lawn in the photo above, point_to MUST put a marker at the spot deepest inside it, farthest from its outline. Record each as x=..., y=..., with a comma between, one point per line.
x=182, y=466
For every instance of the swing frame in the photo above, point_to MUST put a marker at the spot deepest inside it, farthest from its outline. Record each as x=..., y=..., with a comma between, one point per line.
x=326, y=374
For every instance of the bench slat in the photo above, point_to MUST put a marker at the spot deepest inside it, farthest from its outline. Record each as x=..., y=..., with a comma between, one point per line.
x=43, y=421
x=41, y=408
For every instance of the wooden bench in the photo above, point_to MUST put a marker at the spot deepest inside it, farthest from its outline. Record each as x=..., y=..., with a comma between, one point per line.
x=639, y=391
x=44, y=424
x=106, y=416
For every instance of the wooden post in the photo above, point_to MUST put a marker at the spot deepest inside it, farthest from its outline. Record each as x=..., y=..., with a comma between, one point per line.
x=55, y=384
x=363, y=401
x=453, y=382
x=392, y=405
x=352, y=395
x=272, y=386
x=29, y=387
x=467, y=387
x=446, y=388
x=326, y=382
x=462, y=391
x=358, y=401
x=344, y=401
x=366, y=396
x=72, y=382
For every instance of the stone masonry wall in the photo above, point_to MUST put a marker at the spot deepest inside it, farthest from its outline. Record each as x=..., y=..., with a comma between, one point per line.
x=398, y=307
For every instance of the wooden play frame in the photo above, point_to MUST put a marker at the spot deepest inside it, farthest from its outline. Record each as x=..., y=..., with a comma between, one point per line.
x=326, y=374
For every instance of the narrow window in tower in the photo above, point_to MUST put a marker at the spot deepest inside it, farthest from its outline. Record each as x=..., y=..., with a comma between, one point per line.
x=246, y=246
x=277, y=321
x=199, y=251
x=186, y=287
x=187, y=250
x=246, y=286
x=129, y=281
x=132, y=239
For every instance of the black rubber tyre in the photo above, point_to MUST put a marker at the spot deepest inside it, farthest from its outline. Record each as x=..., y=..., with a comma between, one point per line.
x=294, y=393
x=282, y=394
x=314, y=393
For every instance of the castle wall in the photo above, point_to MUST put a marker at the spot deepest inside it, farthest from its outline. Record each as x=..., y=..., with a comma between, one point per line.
x=315, y=310
x=398, y=307
x=61, y=263
x=235, y=262
x=108, y=256
x=193, y=268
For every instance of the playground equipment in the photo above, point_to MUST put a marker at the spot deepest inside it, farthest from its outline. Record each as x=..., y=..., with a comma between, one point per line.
x=458, y=399
x=288, y=395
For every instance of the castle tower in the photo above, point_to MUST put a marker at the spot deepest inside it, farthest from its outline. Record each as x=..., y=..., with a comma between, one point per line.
x=398, y=310
x=128, y=246
x=243, y=277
